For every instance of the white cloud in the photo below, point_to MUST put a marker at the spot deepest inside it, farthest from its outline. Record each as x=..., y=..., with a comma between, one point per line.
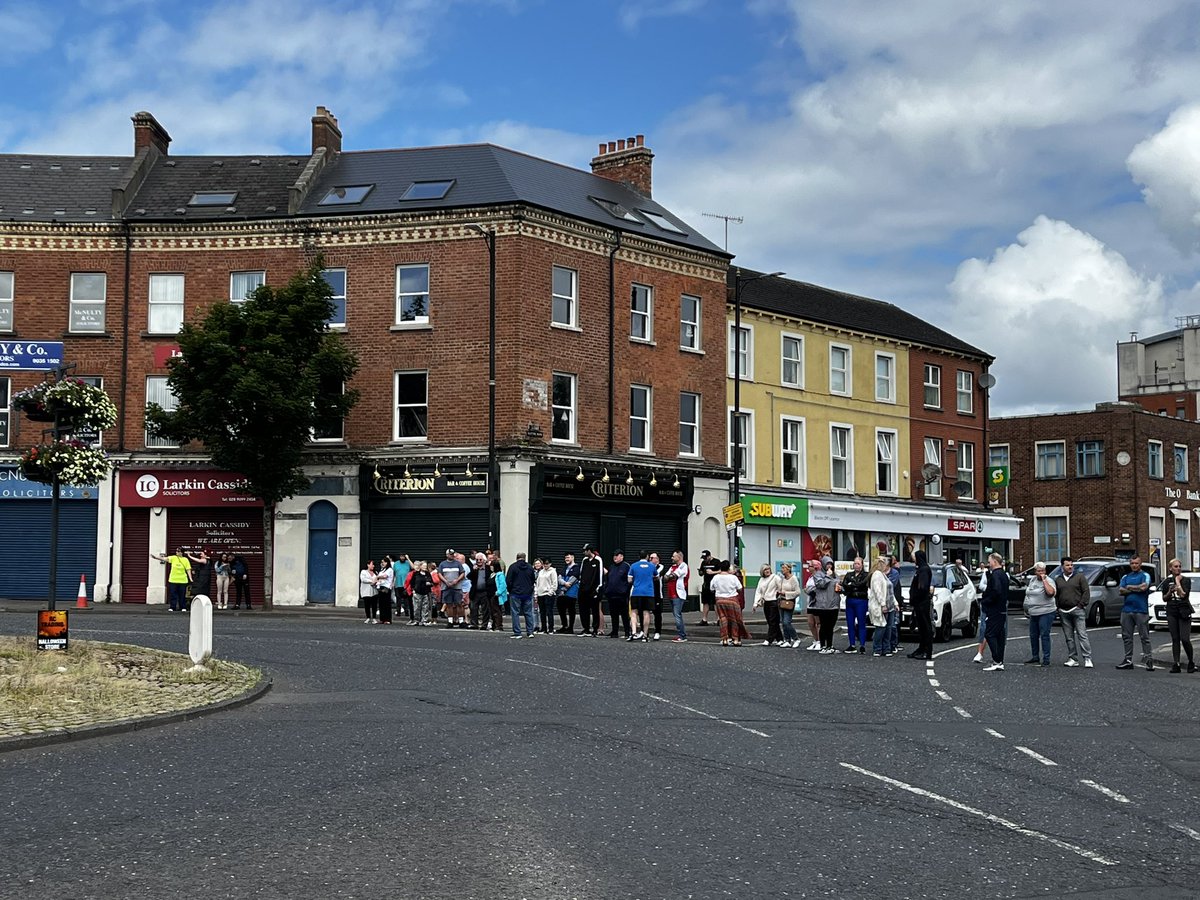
x=632, y=14
x=1167, y=165
x=1051, y=308
x=25, y=29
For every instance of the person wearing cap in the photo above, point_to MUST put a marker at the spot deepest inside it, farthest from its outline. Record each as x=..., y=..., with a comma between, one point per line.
x=708, y=600
x=616, y=592
x=591, y=580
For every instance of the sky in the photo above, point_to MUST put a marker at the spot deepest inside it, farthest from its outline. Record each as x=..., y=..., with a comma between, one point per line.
x=1024, y=175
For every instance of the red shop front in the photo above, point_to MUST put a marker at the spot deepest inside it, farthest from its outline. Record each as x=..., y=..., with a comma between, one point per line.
x=162, y=509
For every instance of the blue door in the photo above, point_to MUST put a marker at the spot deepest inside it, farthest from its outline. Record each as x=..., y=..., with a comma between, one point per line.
x=322, y=552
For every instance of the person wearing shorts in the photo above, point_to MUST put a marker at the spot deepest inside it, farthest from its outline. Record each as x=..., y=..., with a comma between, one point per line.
x=642, y=575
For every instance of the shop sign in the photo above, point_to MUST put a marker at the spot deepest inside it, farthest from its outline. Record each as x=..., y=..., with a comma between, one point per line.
x=177, y=488
x=52, y=629
x=997, y=476
x=567, y=484
x=30, y=355
x=775, y=510
x=964, y=526
x=164, y=353
x=1177, y=494
x=15, y=486
x=397, y=485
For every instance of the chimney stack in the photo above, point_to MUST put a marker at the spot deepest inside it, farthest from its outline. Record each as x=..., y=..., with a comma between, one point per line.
x=148, y=133
x=628, y=161
x=325, y=132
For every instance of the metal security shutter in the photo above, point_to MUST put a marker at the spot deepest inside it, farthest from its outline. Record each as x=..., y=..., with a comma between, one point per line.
x=556, y=534
x=24, y=543
x=191, y=529
x=426, y=534
x=658, y=534
x=135, y=554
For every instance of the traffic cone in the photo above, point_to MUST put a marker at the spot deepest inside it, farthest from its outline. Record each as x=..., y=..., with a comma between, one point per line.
x=82, y=603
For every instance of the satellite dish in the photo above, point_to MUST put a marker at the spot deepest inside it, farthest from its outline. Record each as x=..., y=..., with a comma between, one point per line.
x=987, y=381
x=962, y=487
x=930, y=472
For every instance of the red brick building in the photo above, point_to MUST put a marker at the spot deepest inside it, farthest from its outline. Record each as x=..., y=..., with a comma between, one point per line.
x=591, y=280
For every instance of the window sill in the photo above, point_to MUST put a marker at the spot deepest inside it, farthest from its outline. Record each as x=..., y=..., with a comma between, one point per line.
x=891, y=401
x=641, y=451
x=338, y=327
x=966, y=413
x=405, y=442
x=695, y=350
x=561, y=327
x=933, y=408
x=1089, y=477
x=72, y=335
x=1049, y=477
x=558, y=442
x=328, y=442
x=847, y=395
x=643, y=341
x=411, y=326
x=160, y=335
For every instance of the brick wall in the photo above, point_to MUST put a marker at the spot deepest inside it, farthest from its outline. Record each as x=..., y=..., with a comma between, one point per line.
x=945, y=422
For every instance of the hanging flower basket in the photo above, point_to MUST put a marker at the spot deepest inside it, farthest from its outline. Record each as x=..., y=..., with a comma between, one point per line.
x=74, y=462
x=78, y=404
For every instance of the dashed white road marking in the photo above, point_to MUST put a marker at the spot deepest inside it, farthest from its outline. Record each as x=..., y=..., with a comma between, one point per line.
x=994, y=733
x=1109, y=792
x=929, y=664
x=1033, y=754
x=943, y=695
x=1183, y=829
x=524, y=662
x=933, y=682
x=962, y=712
x=987, y=817
x=700, y=712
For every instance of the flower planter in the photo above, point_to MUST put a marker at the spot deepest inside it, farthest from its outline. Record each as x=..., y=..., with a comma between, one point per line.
x=72, y=461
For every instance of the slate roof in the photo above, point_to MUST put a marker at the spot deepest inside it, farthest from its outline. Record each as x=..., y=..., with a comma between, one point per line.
x=62, y=188
x=260, y=182
x=829, y=307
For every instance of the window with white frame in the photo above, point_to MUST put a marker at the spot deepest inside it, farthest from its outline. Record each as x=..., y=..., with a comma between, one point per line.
x=741, y=428
x=792, y=451
x=158, y=391
x=412, y=294
x=933, y=386
x=1181, y=463
x=741, y=352
x=90, y=436
x=1050, y=459
x=841, y=457
x=243, y=284
x=689, y=424
x=6, y=301
x=641, y=309
x=689, y=322
x=839, y=369
x=5, y=409
x=562, y=408
x=885, y=377
x=791, y=370
x=166, y=304
x=564, y=296
x=330, y=427
x=966, y=468
x=88, y=295
x=411, y=412
x=336, y=279
x=1154, y=459
x=965, y=392
x=886, y=442
x=933, y=457
x=640, y=406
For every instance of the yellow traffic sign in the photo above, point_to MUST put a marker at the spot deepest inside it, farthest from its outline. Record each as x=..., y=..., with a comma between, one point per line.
x=734, y=514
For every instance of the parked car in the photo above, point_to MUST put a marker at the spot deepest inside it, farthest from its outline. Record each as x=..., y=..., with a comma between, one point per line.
x=1158, y=606
x=955, y=601
x=1104, y=575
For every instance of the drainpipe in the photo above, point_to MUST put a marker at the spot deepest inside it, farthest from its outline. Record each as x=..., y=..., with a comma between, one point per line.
x=124, y=393
x=612, y=338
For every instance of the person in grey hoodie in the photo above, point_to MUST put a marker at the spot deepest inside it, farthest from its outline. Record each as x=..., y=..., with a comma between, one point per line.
x=824, y=601
x=1039, y=606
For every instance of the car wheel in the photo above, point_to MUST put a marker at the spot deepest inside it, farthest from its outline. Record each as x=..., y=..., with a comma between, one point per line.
x=1096, y=615
x=971, y=626
x=945, y=629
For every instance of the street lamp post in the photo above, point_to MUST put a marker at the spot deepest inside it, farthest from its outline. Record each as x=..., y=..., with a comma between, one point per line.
x=489, y=236
x=739, y=281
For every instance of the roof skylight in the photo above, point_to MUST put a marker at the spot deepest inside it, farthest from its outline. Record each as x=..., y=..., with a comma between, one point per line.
x=345, y=194
x=428, y=190
x=616, y=210
x=662, y=222
x=212, y=198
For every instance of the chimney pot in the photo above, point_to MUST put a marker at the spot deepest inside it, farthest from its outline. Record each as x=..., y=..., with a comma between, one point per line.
x=632, y=168
x=325, y=131
x=621, y=144
x=641, y=140
x=612, y=146
x=603, y=148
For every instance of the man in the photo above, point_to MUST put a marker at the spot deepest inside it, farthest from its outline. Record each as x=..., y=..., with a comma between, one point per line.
x=616, y=592
x=591, y=580
x=677, y=588
x=521, y=578
x=179, y=578
x=239, y=572
x=1135, y=587
x=994, y=603
x=1072, y=594
x=452, y=572
x=480, y=612
x=568, y=593
x=659, y=572
x=708, y=600
x=920, y=595
x=641, y=581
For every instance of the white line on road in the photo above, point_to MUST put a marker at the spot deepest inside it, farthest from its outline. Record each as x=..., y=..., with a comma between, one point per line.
x=994, y=733
x=929, y=664
x=943, y=695
x=1194, y=835
x=551, y=668
x=933, y=682
x=1035, y=755
x=956, y=649
x=962, y=712
x=1107, y=792
x=702, y=713
x=995, y=820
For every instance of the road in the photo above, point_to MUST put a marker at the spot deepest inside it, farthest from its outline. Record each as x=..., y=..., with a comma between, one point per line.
x=425, y=763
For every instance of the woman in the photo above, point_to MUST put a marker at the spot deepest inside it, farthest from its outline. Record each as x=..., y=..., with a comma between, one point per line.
x=822, y=591
x=223, y=569
x=880, y=603
x=497, y=594
x=813, y=566
x=366, y=590
x=854, y=585
x=1040, y=607
x=421, y=586
x=545, y=586
x=384, y=585
x=1176, y=590
x=789, y=593
x=726, y=589
x=766, y=596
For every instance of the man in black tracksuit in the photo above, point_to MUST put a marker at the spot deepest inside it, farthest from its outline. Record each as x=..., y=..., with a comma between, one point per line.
x=920, y=594
x=591, y=574
x=616, y=592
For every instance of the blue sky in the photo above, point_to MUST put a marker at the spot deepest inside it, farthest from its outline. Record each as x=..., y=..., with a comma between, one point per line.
x=1025, y=175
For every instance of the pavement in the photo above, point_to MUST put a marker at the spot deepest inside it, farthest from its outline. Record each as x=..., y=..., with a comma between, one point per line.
x=434, y=763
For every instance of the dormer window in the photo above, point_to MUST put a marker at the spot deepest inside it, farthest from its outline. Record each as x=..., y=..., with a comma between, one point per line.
x=428, y=190
x=346, y=194
x=212, y=198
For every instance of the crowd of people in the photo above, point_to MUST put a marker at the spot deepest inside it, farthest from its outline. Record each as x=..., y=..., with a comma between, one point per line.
x=191, y=575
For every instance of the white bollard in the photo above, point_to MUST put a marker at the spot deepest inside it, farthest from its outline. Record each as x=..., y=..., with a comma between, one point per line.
x=200, y=642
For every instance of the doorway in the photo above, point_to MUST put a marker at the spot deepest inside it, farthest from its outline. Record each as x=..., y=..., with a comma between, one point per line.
x=322, y=552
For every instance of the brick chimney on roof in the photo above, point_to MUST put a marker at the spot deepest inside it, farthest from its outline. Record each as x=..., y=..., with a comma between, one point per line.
x=627, y=161
x=148, y=133
x=325, y=131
